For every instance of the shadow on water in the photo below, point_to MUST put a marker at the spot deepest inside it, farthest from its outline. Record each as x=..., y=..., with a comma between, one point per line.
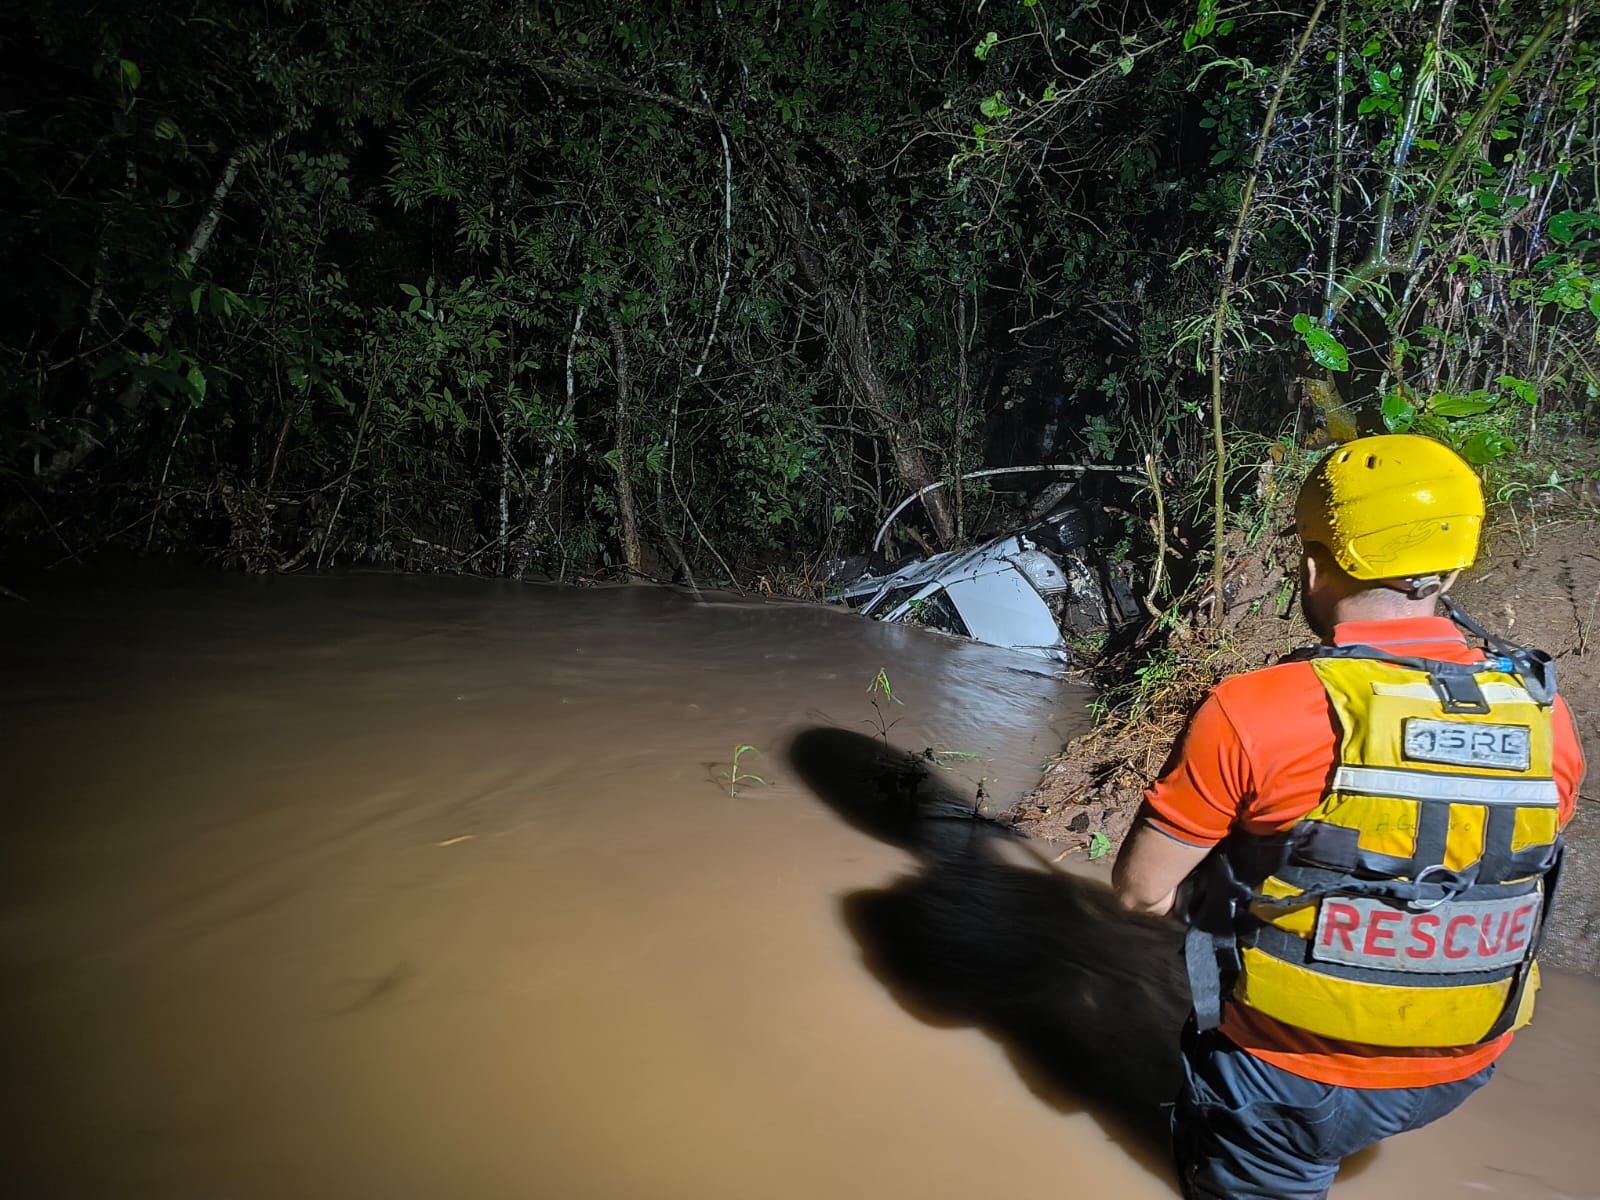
x=1087, y=1000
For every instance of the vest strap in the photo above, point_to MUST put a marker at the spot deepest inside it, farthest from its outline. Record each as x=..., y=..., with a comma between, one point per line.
x=1534, y=668
x=1336, y=848
x=1519, y=985
x=1211, y=948
x=1202, y=953
x=1433, y=887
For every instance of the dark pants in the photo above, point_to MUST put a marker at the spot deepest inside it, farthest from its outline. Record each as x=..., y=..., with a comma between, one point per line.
x=1243, y=1129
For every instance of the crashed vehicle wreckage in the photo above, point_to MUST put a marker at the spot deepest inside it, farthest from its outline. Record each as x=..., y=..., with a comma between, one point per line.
x=1032, y=589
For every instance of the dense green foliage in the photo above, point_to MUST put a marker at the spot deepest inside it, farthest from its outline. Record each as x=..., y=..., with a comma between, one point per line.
x=560, y=286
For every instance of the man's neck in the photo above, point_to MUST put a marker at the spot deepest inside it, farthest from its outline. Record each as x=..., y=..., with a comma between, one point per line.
x=1382, y=604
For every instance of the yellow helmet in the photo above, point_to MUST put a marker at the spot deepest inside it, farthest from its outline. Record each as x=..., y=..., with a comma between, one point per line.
x=1393, y=507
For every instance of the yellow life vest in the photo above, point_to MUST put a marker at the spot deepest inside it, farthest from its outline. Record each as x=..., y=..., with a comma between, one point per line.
x=1405, y=909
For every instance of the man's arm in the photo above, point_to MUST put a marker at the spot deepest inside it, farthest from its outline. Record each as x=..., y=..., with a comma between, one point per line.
x=1150, y=868
x=1568, y=766
x=1186, y=812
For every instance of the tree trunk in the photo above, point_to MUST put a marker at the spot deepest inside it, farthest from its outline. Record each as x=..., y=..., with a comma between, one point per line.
x=199, y=240
x=887, y=408
x=623, y=449
x=845, y=317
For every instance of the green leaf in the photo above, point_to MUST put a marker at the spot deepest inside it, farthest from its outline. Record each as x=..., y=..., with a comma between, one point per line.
x=130, y=73
x=1398, y=413
x=1565, y=226
x=1486, y=446
x=1125, y=63
x=196, y=378
x=1302, y=323
x=1521, y=388
x=1326, y=350
x=1475, y=404
x=194, y=299
x=166, y=130
x=1099, y=845
x=994, y=107
x=981, y=50
x=1205, y=20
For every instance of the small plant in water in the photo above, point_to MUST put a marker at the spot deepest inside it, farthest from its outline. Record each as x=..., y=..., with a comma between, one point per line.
x=735, y=777
x=880, y=690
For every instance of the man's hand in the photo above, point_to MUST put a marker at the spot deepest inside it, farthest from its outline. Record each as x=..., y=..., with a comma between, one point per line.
x=1150, y=867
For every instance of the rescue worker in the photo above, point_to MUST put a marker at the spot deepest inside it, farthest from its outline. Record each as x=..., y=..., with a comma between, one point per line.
x=1366, y=838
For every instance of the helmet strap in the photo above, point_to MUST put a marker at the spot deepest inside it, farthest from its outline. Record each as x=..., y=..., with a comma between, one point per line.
x=1422, y=587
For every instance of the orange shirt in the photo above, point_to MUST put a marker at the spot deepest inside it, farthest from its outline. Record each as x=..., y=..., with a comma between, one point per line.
x=1256, y=757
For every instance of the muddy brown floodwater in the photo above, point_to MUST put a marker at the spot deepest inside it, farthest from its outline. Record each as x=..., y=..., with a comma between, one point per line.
x=404, y=887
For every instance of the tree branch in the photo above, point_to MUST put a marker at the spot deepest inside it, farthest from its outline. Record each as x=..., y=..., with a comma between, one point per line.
x=1219, y=444
x=586, y=81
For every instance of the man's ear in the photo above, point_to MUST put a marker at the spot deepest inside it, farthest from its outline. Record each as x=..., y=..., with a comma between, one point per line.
x=1308, y=567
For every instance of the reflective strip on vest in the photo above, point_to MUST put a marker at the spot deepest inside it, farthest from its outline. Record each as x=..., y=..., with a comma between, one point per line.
x=1493, y=693
x=1431, y=785
x=1452, y=805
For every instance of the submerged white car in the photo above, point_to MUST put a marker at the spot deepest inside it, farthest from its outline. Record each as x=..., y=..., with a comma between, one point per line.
x=1022, y=591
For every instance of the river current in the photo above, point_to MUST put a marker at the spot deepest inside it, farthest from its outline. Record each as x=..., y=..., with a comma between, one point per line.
x=376, y=886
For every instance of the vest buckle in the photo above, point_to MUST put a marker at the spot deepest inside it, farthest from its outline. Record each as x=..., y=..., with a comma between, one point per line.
x=1451, y=886
x=1460, y=693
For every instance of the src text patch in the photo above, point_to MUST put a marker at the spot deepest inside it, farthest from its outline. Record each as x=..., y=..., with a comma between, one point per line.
x=1467, y=743
x=1459, y=935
